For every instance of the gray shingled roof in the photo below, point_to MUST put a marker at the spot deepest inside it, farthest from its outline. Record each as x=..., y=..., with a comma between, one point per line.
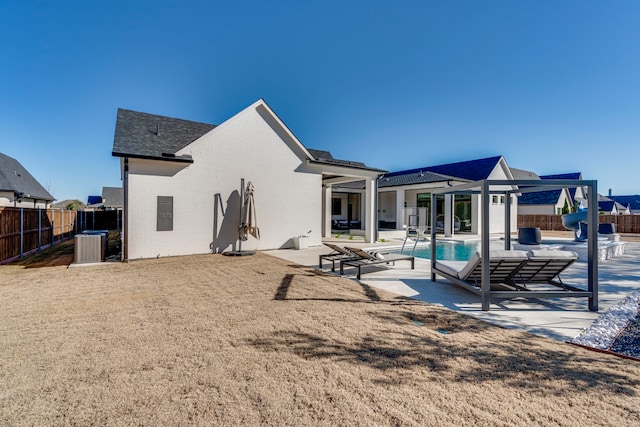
x=523, y=174
x=144, y=135
x=113, y=196
x=14, y=177
x=326, y=157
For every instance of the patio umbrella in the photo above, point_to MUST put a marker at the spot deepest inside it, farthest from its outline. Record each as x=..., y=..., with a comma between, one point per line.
x=249, y=220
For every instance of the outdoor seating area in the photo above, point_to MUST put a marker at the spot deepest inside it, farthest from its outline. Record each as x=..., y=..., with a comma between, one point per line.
x=513, y=272
x=343, y=224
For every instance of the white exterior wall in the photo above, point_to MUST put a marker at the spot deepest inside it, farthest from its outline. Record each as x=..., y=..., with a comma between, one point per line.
x=496, y=211
x=7, y=199
x=206, y=200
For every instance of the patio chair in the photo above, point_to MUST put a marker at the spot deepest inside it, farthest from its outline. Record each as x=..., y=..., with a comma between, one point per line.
x=545, y=266
x=440, y=223
x=338, y=254
x=365, y=259
x=503, y=265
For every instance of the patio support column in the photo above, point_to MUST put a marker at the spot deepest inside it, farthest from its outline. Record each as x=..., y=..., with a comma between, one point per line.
x=326, y=210
x=448, y=215
x=370, y=196
x=400, y=209
x=485, y=285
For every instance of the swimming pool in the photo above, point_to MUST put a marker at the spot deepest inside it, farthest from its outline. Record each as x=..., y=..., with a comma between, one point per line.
x=454, y=251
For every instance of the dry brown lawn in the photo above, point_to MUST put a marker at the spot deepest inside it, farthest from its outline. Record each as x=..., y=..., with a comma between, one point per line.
x=214, y=340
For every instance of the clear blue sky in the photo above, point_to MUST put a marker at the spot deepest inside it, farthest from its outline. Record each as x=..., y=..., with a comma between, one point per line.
x=554, y=86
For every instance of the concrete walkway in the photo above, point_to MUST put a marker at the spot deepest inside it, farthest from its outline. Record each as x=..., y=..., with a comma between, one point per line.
x=560, y=319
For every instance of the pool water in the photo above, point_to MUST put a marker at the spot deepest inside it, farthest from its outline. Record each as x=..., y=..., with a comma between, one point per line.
x=453, y=251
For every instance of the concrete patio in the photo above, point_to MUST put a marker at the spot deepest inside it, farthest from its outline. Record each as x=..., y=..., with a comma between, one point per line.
x=559, y=319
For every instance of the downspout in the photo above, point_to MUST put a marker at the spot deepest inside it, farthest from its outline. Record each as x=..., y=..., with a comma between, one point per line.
x=125, y=212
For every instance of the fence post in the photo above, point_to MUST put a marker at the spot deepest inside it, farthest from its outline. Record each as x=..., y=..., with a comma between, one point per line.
x=21, y=232
x=39, y=229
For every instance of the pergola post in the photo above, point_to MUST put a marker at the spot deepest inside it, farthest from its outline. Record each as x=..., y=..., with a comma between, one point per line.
x=433, y=236
x=592, y=245
x=485, y=284
x=507, y=221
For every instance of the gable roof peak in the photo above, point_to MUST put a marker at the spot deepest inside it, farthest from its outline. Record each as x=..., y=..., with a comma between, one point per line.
x=152, y=136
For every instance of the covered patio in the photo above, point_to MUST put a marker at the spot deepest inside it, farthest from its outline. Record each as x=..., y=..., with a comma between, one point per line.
x=336, y=172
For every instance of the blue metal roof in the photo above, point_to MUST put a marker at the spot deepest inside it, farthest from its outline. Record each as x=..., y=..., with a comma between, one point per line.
x=606, y=205
x=632, y=201
x=472, y=170
x=571, y=175
x=548, y=197
x=93, y=200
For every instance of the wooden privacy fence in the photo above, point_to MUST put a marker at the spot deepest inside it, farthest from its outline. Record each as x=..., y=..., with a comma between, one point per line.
x=24, y=231
x=624, y=223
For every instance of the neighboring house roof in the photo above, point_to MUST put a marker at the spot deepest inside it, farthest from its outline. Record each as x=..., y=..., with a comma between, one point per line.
x=572, y=175
x=14, y=177
x=548, y=197
x=150, y=136
x=63, y=204
x=522, y=174
x=113, y=196
x=606, y=205
x=94, y=200
x=632, y=201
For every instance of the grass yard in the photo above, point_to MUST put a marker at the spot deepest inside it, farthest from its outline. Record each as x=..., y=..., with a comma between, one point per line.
x=214, y=340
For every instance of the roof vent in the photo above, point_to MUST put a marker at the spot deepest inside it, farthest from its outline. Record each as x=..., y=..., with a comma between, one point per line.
x=157, y=131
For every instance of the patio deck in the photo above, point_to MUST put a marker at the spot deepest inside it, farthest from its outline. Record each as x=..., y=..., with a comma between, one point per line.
x=559, y=319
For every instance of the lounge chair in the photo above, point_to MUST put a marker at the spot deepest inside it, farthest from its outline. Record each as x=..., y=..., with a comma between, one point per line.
x=338, y=254
x=545, y=266
x=503, y=266
x=366, y=258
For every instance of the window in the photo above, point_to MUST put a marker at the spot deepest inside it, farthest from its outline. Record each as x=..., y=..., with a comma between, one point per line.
x=165, y=213
x=494, y=200
x=336, y=206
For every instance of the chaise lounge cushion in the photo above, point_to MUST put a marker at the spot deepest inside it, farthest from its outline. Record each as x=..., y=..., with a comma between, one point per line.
x=551, y=254
x=464, y=269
